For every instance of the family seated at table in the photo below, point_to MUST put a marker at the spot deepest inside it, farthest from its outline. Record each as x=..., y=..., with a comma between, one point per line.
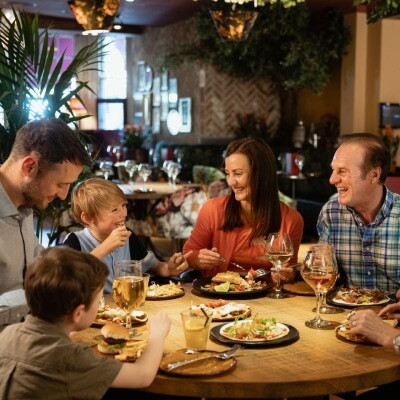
x=361, y=222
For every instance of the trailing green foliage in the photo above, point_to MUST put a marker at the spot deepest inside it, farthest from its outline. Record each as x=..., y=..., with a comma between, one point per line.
x=287, y=45
x=379, y=9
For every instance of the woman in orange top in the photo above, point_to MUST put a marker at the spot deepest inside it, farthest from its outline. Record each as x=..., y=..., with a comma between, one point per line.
x=228, y=227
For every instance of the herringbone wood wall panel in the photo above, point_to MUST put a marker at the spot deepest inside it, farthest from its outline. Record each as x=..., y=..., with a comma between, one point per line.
x=216, y=97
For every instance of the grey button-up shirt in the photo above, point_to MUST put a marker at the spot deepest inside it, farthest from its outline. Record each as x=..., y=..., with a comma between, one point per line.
x=18, y=247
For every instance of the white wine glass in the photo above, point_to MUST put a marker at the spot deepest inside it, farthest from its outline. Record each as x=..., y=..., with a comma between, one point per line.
x=299, y=161
x=130, y=168
x=279, y=250
x=320, y=271
x=107, y=168
x=173, y=171
x=165, y=168
x=128, y=288
x=144, y=171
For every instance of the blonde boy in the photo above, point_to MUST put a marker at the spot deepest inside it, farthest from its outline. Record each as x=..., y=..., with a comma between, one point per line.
x=100, y=205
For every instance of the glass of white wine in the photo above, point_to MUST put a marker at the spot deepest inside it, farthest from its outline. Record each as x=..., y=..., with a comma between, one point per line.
x=279, y=250
x=130, y=167
x=128, y=288
x=144, y=171
x=320, y=271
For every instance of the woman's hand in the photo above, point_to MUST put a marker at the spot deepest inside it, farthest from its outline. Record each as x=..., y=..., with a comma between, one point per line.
x=287, y=274
x=178, y=263
x=208, y=259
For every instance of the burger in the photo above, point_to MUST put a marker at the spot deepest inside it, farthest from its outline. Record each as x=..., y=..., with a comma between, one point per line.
x=114, y=339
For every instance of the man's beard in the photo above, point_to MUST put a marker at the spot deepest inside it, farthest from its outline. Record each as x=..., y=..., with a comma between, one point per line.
x=33, y=197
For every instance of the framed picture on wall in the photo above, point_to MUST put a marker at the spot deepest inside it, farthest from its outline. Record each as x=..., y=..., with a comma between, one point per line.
x=164, y=80
x=156, y=126
x=185, y=111
x=164, y=105
x=148, y=78
x=147, y=109
x=173, y=93
x=157, y=92
x=141, y=77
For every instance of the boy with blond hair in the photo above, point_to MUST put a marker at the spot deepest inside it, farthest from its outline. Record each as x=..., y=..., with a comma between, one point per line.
x=37, y=357
x=100, y=205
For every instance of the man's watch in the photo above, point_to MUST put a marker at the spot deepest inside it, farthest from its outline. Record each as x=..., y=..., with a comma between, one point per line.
x=396, y=343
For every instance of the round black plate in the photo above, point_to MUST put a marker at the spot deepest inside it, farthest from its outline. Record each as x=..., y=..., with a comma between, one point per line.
x=331, y=301
x=199, y=284
x=292, y=336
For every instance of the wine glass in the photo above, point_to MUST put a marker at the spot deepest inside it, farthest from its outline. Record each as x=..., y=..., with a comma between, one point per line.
x=117, y=151
x=325, y=309
x=128, y=288
x=278, y=249
x=299, y=161
x=107, y=168
x=320, y=271
x=173, y=172
x=130, y=168
x=165, y=168
x=144, y=171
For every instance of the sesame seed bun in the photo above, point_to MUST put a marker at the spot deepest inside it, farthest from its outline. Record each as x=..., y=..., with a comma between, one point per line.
x=115, y=331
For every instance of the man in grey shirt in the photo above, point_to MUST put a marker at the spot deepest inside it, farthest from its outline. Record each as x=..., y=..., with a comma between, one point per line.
x=46, y=158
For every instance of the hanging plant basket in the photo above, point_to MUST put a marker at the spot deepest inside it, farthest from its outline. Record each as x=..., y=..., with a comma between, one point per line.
x=234, y=25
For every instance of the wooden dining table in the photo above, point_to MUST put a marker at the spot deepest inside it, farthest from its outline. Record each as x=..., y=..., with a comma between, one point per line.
x=315, y=365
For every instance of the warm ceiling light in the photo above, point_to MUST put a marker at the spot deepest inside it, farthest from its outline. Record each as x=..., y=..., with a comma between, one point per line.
x=95, y=16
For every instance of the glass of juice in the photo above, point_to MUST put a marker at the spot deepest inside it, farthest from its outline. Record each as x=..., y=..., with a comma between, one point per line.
x=196, y=327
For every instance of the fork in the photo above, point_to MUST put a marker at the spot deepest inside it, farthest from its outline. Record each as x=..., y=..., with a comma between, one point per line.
x=222, y=356
x=259, y=272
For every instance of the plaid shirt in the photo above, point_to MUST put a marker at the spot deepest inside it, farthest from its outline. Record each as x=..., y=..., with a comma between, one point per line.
x=367, y=255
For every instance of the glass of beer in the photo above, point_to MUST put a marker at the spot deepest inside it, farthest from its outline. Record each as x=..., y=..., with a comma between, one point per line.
x=128, y=288
x=196, y=326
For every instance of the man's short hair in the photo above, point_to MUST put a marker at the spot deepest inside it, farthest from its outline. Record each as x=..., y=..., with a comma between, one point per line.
x=61, y=279
x=53, y=140
x=93, y=195
x=376, y=154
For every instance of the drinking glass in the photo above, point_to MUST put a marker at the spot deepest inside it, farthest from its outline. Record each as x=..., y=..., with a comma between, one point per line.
x=128, y=288
x=165, y=168
x=117, y=151
x=144, y=171
x=299, y=161
x=130, y=168
x=279, y=250
x=107, y=168
x=325, y=309
x=173, y=172
x=196, y=327
x=320, y=271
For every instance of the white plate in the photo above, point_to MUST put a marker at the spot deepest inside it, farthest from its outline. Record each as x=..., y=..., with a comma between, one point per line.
x=383, y=301
x=285, y=331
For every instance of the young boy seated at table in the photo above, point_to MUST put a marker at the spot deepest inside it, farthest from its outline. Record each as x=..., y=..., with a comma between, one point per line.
x=37, y=357
x=100, y=205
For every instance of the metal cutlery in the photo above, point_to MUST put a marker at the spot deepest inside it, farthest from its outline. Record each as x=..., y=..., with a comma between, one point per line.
x=223, y=356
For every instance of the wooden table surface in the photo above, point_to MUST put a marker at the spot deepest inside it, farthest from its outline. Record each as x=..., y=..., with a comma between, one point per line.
x=156, y=190
x=316, y=364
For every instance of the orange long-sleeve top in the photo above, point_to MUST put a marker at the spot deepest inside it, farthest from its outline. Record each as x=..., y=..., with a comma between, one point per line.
x=235, y=245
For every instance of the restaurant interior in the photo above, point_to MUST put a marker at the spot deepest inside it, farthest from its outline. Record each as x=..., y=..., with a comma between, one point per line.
x=176, y=86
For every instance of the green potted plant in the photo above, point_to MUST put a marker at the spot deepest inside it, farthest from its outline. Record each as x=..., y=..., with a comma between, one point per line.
x=28, y=73
x=133, y=140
